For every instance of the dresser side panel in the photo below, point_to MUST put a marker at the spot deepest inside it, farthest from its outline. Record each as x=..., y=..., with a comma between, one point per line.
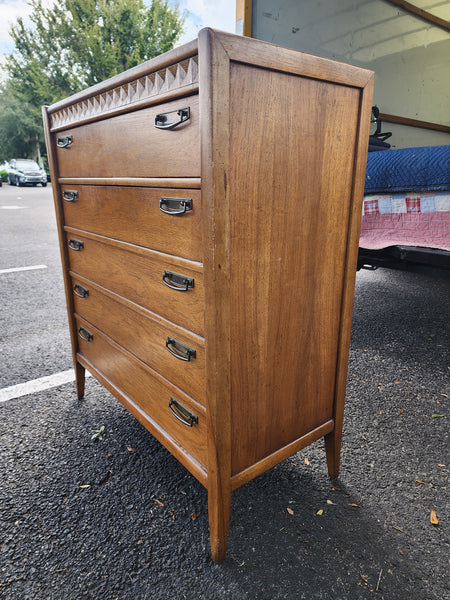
x=291, y=187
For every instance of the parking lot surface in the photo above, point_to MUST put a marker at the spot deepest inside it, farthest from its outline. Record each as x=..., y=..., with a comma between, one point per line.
x=120, y=518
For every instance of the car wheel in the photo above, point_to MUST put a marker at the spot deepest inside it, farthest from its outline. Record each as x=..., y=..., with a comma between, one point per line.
x=9, y=180
x=44, y=184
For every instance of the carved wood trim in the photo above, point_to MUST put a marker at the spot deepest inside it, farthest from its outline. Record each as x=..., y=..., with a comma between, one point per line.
x=152, y=86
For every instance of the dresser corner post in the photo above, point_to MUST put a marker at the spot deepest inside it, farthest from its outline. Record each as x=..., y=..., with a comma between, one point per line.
x=80, y=378
x=214, y=69
x=333, y=452
x=219, y=503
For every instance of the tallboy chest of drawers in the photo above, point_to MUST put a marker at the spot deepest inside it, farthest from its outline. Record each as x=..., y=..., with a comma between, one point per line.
x=208, y=206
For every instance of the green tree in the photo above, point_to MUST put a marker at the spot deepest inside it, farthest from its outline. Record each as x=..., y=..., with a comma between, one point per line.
x=77, y=43
x=20, y=132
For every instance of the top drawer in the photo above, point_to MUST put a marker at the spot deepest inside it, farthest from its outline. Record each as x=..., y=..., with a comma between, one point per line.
x=129, y=145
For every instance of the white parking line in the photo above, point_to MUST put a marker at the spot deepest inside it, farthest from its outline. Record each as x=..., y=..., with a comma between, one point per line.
x=17, y=269
x=37, y=385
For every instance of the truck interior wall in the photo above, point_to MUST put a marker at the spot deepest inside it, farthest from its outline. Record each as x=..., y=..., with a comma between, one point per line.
x=409, y=55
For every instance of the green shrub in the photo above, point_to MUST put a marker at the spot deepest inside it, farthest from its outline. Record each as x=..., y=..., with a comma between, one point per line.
x=4, y=175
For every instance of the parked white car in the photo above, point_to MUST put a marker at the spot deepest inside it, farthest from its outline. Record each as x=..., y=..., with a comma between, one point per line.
x=22, y=171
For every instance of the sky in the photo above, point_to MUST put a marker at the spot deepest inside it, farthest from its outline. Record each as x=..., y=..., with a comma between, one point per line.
x=219, y=14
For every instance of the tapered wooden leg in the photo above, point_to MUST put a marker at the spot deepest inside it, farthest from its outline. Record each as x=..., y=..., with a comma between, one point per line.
x=80, y=378
x=333, y=452
x=219, y=501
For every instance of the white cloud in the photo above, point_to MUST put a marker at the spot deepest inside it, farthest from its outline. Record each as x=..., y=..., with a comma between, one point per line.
x=10, y=10
x=219, y=14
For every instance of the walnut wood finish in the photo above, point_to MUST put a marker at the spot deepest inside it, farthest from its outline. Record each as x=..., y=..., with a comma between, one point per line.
x=276, y=149
x=132, y=214
x=144, y=334
x=139, y=277
x=129, y=145
x=150, y=392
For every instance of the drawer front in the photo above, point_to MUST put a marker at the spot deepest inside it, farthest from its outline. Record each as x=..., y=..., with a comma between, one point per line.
x=168, y=220
x=139, y=277
x=177, y=355
x=148, y=391
x=129, y=145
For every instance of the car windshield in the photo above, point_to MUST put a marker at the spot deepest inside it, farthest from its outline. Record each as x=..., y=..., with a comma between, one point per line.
x=28, y=165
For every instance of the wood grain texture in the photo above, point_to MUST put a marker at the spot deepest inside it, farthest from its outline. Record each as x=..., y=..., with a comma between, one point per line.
x=275, y=156
x=129, y=145
x=144, y=337
x=289, y=216
x=138, y=277
x=173, y=182
x=333, y=440
x=149, y=391
x=168, y=59
x=53, y=164
x=132, y=214
x=215, y=140
x=277, y=58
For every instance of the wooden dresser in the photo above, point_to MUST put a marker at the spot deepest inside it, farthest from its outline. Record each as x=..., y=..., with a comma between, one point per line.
x=208, y=205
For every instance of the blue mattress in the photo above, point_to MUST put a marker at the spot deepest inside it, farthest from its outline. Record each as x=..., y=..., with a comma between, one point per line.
x=408, y=169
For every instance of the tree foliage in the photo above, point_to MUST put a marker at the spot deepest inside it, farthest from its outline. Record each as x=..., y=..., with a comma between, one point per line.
x=76, y=43
x=19, y=130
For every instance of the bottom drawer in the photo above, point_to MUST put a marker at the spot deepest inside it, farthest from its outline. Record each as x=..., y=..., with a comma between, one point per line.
x=181, y=418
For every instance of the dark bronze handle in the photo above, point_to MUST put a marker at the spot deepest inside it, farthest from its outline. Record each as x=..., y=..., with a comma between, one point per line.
x=80, y=291
x=85, y=334
x=70, y=195
x=179, y=283
x=65, y=141
x=175, y=206
x=181, y=413
x=161, y=120
x=75, y=245
x=180, y=350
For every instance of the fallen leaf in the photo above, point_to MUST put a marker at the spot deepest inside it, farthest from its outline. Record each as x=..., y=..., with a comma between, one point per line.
x=158, y=502
x=130, y=449
x=356, y=505
x=363, y=577
x=290, y=511
x=435, y=415
x=320, y=512
x=84, y=486
x=433, y=518
x=401, y=411
x=329, y=502
x=307, y=461
x=420, y=481
x=445, y=395
x=194, y=516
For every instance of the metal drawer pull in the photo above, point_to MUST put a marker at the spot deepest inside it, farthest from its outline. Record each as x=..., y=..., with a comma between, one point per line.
x=180, y=350
x=85, y=335
x=162, y=118
x=179, y=283
x=80, y=291
x=175, y=206
x=75, y=245
x=70, y=195
x=65, y=141
x=182, y=413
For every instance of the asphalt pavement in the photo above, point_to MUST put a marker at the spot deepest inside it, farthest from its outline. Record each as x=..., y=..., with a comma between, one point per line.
x=120, y=518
